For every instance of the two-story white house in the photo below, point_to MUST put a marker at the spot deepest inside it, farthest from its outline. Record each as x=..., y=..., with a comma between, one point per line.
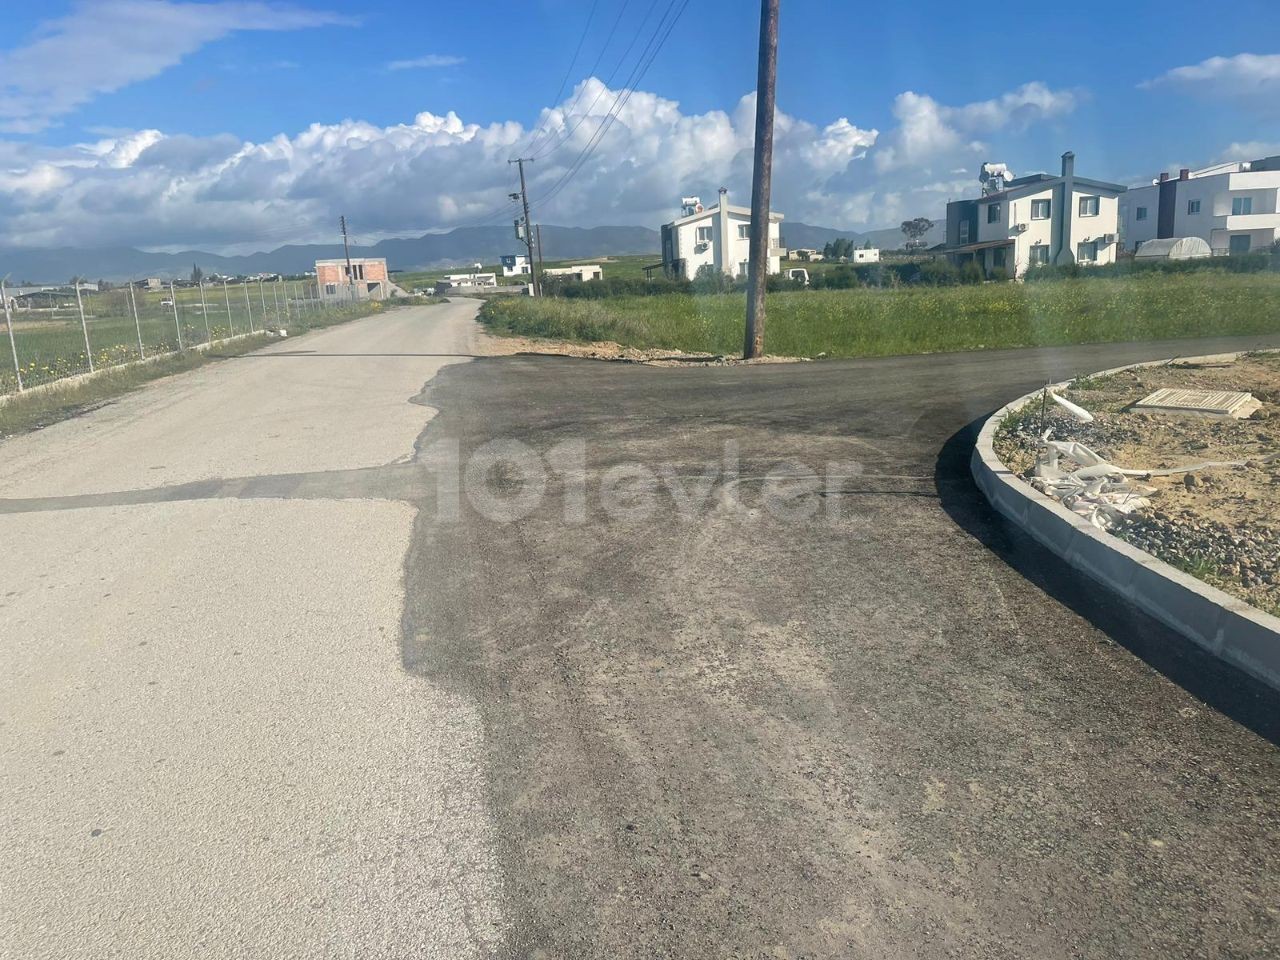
x=718, y=236
x=1022, y=222
x=1234, y=207
x=515, y=265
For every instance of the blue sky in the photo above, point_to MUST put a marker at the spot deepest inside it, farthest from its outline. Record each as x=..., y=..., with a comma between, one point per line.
x=237, y=123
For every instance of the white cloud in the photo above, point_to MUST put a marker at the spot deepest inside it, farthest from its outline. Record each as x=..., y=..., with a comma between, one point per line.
x=427, y=62
x=1246, y=76
x=1250, y=150
x=929, y=131
x=104, y=45
x=437, y=172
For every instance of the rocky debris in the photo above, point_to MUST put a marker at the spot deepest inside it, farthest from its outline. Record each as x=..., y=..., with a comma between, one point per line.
x=1220, y=524
x=1246, y=554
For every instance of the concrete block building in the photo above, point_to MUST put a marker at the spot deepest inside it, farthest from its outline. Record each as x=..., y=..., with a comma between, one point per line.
x=1021, y=222
x=1234, y=207
x=367, y=279
x=718, y=236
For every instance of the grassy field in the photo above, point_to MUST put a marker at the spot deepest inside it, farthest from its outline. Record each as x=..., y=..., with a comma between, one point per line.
x=51, y=343
x=34, y=409
x=623, y=267
x=867, y=322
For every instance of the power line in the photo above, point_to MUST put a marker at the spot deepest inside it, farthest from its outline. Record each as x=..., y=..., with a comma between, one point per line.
x=528, y=149
x=604, y=88
x=620, y=101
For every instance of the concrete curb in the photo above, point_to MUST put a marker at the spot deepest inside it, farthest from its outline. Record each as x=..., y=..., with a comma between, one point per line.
x=1231, y=629
x=79, y=378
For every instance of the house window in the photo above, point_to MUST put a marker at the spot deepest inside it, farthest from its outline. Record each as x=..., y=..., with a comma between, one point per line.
x=1040, y=210
x=993, y=213
x=997, y=257
x=704, y=235
x=1193, y=207
x=331, y=288
x=1240, y=242
x=744, y=231
x=1241, y=207
x=1088, y=206
x=1039, y=253
x=1141, y=214
x=964, y=231
x=1087, y=252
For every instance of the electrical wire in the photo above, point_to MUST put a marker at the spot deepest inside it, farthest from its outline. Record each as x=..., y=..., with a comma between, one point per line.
x=541, y=129
x=620, y=101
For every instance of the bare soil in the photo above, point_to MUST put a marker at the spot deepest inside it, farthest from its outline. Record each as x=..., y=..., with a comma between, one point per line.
x=1220, y=523
x=492, y=346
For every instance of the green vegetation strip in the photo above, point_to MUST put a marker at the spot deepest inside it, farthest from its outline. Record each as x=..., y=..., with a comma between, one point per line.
x=886, y=322
x=34, y=409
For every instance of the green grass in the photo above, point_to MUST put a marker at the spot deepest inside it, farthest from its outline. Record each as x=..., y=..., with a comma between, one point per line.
x=50, y=341
x=885, y=322
x=625, y=267
x=35, y=409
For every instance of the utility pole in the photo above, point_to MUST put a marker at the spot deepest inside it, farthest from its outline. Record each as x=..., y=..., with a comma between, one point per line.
x=346, y=248
x=761, y=179
x=528, y=227
x=13, y=346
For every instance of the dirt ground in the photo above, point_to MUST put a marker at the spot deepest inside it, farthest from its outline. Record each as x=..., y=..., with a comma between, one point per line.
x=492, y=346
x=1220, y=523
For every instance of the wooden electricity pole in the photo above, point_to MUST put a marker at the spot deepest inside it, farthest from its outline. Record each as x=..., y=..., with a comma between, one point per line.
x=346, y=248
x=534, y=284
x=761, y=178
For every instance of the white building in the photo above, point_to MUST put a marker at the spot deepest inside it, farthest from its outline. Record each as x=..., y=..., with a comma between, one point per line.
x=583, y=271
x=1022, y=222
x=865, y=255
x=1234, y=207
x=718, y=236
x=516, y=265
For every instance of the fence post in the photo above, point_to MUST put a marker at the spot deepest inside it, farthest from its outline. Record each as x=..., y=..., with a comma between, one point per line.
x=248, y=306
x=231, y=328
x=133, y=301
x=275, y=301
x=13, y=344
x=177, y=324
x=262, y=292
x=204, y=310
x=83, y=324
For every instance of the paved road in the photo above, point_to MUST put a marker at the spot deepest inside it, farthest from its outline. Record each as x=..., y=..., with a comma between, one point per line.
x=209, y=747
x=643, y=719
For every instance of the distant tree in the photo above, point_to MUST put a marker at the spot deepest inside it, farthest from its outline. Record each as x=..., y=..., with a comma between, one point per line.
x=105, y=285
x=840, y=248
x=867, y=245
x=196, y=274
x=916, y=229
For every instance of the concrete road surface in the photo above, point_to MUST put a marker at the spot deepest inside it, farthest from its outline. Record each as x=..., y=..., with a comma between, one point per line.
x=277, y=685
x=209, y=747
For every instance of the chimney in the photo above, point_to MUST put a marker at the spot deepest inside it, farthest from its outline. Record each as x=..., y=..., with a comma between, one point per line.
x=1163, y=176
x=1184, y=174
x=1068, y=163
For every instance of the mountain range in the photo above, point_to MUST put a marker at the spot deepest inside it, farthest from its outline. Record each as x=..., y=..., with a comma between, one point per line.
x=460, y=246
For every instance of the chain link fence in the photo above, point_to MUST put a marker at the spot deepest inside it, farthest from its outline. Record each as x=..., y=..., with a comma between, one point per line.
x=58, y=332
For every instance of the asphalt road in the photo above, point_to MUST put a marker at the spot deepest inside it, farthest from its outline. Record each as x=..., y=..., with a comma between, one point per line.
x=315, y=701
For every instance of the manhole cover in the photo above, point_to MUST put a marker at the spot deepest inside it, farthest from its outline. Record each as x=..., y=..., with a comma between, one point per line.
x=1209, y=403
